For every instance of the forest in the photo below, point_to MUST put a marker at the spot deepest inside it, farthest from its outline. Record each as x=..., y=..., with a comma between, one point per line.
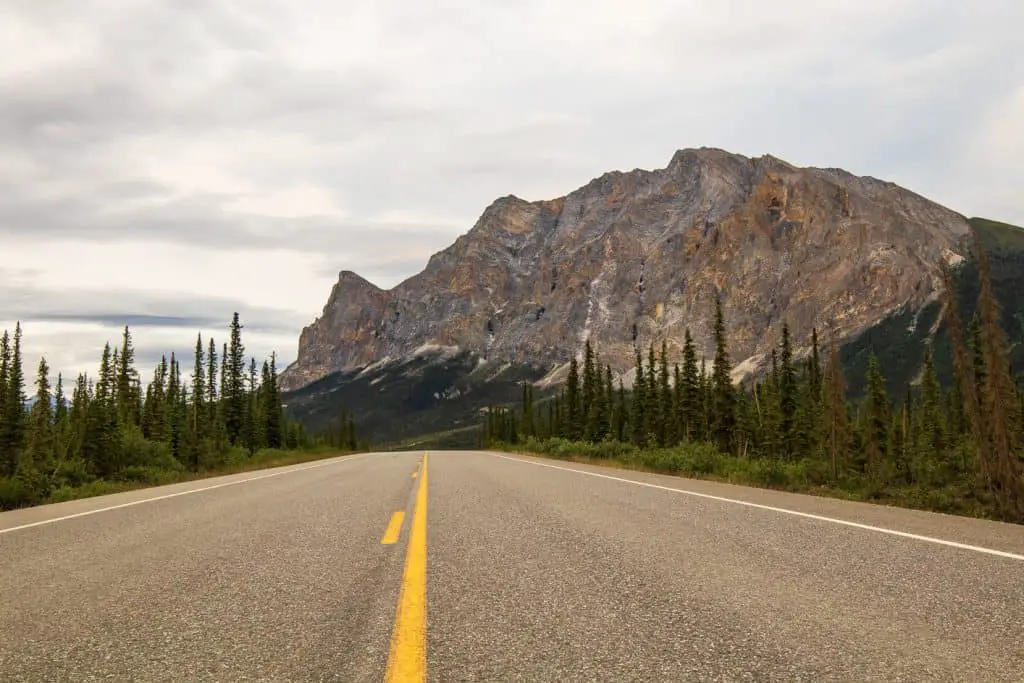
x=112, y=432
x=956, y=448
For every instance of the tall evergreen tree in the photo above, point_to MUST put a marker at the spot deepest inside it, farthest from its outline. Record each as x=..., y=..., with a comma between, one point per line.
x=38, y=459
x=274, y=424
x=128, y=395
x=690, y=396
x=233, y=389
x=837, y=435
x=787, y=395
x=664, y=398
x=652, y=399
x=876, y=419
x=574, y=401
x=211, y=382
x=7, y=462
x=588, y=393
x=932, y=445
x=621, y=415
x=1001, y=407
x=13, y=422
x=967, y=376
x=724, y=395
x=637, y=417
x=199, y=413
x=528, y=422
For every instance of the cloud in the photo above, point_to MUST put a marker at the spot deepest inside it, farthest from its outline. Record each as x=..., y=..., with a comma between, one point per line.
x=174, y=161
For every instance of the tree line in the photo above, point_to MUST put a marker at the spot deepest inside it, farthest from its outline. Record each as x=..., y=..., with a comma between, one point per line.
x=112, y=427
x=966, y=438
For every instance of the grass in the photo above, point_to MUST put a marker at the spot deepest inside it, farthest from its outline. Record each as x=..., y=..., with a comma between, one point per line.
x=702, y=461
x=142, y=478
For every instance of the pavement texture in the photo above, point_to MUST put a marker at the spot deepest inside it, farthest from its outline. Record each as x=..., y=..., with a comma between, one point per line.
x=536, y=570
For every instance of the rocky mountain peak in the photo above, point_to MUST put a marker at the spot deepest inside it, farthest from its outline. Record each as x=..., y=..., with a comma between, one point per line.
x=635, y=257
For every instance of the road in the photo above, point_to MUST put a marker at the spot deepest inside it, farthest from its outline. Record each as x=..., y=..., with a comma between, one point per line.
x=501, y=568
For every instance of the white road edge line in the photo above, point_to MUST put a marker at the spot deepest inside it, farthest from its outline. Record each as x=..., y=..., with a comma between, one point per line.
x=821, y=518
x=85, y=513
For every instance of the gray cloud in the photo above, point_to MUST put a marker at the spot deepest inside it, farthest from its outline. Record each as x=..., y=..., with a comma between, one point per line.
x=367, y=136
x=117, y=308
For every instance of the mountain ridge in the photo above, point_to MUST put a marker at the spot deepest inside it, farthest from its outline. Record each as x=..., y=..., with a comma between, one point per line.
x=634, y=256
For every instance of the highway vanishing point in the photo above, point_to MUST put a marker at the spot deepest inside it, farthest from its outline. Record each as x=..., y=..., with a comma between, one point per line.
x=479, y=566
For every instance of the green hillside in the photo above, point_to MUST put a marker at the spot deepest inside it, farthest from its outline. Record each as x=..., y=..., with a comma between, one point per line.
x=899, y=344
x=396, y=403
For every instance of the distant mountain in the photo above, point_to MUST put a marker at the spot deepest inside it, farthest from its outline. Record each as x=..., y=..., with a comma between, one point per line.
x=635, y=258
x=632, y=258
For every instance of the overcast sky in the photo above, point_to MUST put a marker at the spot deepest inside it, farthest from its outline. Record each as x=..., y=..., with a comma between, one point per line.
x=185, y=159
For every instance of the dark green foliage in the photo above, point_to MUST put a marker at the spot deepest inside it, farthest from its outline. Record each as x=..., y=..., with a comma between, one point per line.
x=723, y=424
x=429, y=394
x=899, y=342
x=235, y=405
x=109, y=436
x=574, y=400
x=690, y=403
x=787, y=396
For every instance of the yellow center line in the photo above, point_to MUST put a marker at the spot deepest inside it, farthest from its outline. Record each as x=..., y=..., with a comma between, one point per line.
x=394, y=529
x=407, y=660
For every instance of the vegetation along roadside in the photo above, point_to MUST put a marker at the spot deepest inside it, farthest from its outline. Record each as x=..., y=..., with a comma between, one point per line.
x=957, y=448
x=113, y=434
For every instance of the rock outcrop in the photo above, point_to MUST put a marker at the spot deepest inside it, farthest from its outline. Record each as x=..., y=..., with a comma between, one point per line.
x=636, y=257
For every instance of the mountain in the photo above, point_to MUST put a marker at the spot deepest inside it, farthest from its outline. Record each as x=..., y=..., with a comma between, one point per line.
x=633, y=258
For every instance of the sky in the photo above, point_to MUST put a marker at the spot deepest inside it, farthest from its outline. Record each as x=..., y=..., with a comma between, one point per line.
x=164, y=163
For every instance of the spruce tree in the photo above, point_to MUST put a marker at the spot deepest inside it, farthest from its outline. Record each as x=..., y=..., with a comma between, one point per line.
x=573, y=399
x=128, y=398
x=6, y=455
x=13, y=422
x=78, y=416
x=274, y=418
x=931, y=448
x=609, y=389
x=1001, y=408
x=233, y=387
x=622, y=415
x=815, y=372
x=787, y=395
x=967, y=377
x=251, y=422
x=61, y=423
x=677, y=419
x=771, y=411
x=690, y=395
x=211, y=383
x=637, y=416
x=101, y=448
x=199, y=413
x=837, y=435
x=528, y=426
x=38, y=460
x=652, y=399
x=875, y=424
x=724, y=394
x=588, y=392
x=664, y=398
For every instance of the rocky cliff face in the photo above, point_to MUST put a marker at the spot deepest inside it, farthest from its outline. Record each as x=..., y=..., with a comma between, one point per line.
x=636, y=257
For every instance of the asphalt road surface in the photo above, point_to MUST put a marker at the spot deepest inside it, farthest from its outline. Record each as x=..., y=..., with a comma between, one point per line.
x=486, y=567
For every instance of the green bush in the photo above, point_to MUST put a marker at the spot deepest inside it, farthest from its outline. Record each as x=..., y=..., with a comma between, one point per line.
x=72, y=472
x=15, y=493
x=100, y=487
x=137, y=451
x=153, y=476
